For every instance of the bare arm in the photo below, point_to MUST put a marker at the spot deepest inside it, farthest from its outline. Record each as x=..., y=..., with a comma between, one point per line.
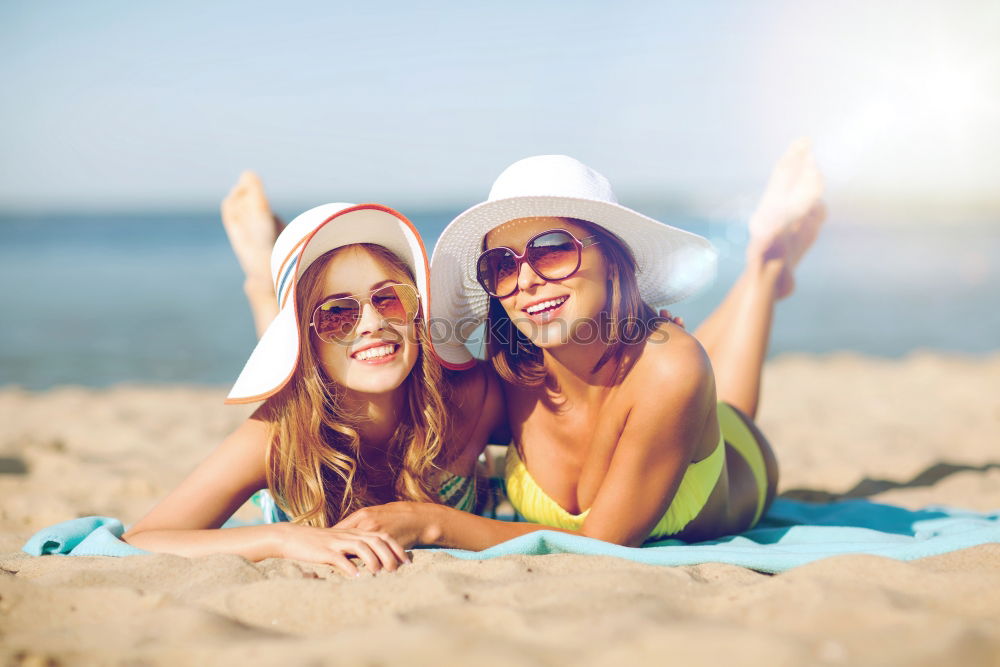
x=431, y=524
x=183, y=522
x=663, y=430
x=649, y=462
x=187, y=521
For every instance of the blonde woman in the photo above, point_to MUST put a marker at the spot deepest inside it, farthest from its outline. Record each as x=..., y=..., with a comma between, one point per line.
x=356, y=411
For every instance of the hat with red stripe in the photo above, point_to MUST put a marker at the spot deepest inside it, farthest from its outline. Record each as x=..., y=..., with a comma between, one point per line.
x=306, y=238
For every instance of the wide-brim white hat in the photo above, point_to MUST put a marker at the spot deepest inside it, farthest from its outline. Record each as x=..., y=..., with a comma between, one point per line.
x=307, y=237
x=671, y=264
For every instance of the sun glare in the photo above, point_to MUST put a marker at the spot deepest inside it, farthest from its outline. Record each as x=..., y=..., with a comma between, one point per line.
x=904, y=103
x=922, y=130
x=953, y=96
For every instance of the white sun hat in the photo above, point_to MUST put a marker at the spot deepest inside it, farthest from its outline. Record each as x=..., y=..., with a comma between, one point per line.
x=671, y=264
x=307, y=237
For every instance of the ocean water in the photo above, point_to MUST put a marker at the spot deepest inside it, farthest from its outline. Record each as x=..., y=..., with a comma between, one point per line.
x=101, y=299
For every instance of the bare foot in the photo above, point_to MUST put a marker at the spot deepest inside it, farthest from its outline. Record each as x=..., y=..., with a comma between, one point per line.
x=252, y=228
x=789, y=214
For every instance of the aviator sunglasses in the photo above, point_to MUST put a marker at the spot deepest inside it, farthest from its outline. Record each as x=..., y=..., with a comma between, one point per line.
x=553, y=255
x=335, y=320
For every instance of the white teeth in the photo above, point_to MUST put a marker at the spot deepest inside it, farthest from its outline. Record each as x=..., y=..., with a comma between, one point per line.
x=375, y=352
x=531, y=310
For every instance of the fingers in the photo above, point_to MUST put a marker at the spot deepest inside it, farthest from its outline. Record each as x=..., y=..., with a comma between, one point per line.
x=389, y=558
x=667, y=315
x=367, y=555
x=397, y=548
x=352, y=521
x=375, y=552
x=344, y=565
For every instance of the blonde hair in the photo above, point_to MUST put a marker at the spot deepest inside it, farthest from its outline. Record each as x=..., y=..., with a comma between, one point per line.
x=315, y=450
x=519, y=361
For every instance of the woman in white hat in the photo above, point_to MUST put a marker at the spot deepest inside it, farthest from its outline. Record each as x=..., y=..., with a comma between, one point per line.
x=356, y=410
x=626, y=428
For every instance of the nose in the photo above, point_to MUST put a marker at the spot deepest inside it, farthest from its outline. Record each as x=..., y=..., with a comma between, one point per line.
x=369, y=321
x=526, y=277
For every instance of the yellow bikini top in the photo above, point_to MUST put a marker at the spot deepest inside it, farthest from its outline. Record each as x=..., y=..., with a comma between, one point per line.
x=536, y=506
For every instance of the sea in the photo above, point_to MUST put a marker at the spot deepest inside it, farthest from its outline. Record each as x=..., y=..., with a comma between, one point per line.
x=100, y=299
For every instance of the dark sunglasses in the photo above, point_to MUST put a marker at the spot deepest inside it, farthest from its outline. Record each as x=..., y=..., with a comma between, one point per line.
x=335, y=320
x=553, y=255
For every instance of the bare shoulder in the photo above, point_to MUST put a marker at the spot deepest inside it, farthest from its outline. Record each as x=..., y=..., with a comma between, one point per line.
x=477, y=410
x=468, y=386
x=672, y=360
x=467, y=390
x=671, y=398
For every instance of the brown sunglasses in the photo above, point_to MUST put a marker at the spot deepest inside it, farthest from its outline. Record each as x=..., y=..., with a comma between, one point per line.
x=554, y=255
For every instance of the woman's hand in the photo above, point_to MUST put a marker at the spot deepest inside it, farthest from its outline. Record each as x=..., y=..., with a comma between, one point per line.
x=377, y=550
x=665, y=314
x=408, y=523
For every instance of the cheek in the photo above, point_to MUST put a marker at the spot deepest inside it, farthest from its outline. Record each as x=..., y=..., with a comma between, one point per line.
x=412, y=346
x=592, y=289
x=598, y=297
x=333, y=360
x=508, y=305
x=590, y=297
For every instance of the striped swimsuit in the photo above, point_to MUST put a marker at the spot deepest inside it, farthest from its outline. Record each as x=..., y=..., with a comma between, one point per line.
x=454, y=490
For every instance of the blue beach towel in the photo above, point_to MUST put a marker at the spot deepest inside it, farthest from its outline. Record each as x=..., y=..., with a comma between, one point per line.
x=86, y=536
x=793, y=533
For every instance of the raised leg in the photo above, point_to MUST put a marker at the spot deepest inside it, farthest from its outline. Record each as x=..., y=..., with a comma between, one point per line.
x=252, y=229
x=783, y=227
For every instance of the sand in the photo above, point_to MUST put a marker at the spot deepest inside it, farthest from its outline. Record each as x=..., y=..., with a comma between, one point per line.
x=923, y=430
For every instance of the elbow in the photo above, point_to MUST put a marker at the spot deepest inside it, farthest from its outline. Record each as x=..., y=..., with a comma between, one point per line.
x=621, y=539
x=129, y=535
x=633, y=542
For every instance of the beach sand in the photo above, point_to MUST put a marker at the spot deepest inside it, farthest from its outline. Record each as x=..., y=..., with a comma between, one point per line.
x=922, y=430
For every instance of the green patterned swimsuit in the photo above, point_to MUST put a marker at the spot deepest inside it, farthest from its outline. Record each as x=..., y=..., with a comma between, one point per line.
x=479, y=495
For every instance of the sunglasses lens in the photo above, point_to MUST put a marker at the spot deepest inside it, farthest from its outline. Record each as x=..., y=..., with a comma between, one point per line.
x=335, y=319
x=497, y=271
x=553, y=255
x=396, y=303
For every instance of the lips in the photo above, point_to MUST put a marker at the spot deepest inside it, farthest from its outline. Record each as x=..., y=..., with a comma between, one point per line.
x=544, y=310
x=545, y=305
x=375, y=352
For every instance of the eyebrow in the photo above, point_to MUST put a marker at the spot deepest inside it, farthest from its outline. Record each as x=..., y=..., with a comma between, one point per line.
x=341, y=295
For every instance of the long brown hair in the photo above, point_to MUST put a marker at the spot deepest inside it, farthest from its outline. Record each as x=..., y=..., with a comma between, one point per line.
x=315, y=450
x=625, y=321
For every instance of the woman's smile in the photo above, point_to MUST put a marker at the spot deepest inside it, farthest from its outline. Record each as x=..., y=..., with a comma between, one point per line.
x=377, y=353
x=545, y=310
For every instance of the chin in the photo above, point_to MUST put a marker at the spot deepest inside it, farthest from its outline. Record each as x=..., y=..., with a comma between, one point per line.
x=546, y=336
x=375, y=387
x=376, y=376
x=377, y=381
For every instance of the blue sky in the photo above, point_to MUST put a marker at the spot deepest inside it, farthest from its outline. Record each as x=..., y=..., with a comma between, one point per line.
x=126, y=104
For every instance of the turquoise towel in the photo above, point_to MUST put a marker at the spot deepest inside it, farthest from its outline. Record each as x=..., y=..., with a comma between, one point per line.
x=88, y=536
x=793, y=533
